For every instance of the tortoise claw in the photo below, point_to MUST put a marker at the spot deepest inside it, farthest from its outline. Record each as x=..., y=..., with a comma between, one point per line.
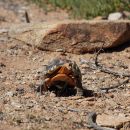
x=79, y=92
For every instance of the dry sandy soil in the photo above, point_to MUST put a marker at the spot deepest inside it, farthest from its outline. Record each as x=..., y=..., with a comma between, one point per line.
x=21, y=107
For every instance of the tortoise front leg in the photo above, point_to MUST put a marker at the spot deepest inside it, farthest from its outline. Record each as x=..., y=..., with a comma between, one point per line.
x=79, y=92
x=79, y=88
x=78, y=78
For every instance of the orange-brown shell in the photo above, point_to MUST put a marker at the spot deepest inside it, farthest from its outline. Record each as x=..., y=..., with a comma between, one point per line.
x=64, y=73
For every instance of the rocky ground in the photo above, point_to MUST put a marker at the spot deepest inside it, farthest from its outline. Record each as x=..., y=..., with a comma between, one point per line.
x=22, y=66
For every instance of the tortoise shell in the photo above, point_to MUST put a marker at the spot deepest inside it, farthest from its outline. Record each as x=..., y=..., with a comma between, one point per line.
x=59, y=70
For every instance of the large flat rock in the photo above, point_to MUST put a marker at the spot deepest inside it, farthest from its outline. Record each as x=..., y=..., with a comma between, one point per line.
x=73, y=36
x=113, y=121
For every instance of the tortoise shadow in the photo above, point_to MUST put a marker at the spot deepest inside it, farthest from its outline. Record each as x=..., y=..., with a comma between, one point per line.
x=88, y=93
x=71, y=92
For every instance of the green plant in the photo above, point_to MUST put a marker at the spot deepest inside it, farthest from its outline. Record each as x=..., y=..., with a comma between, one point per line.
x=87, y=9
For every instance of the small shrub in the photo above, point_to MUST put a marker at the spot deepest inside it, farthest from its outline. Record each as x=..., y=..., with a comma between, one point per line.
x=86, y=9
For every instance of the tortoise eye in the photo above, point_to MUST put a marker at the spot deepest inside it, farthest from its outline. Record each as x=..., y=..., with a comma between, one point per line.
x=70, y=64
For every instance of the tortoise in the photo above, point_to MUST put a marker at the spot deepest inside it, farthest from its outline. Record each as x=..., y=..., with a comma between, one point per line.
x=64, y=77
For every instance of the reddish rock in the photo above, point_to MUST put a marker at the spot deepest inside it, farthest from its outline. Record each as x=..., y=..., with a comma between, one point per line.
x=73, y=36
x=112, y=120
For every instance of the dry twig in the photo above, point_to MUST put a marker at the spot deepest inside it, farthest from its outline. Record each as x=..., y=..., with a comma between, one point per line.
x=92, y=122
x=27, y=17
x=95, y=65
x=115, y=86
x=107, y=70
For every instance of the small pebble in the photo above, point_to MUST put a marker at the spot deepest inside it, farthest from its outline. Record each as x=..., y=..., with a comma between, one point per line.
x=59, y=50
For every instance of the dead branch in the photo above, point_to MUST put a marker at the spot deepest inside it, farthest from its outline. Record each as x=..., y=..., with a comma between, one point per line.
x=71, y=109
x=107, y=70
x=115, y=86
x=27, y=17
x=95, y=65
x=92, y=122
